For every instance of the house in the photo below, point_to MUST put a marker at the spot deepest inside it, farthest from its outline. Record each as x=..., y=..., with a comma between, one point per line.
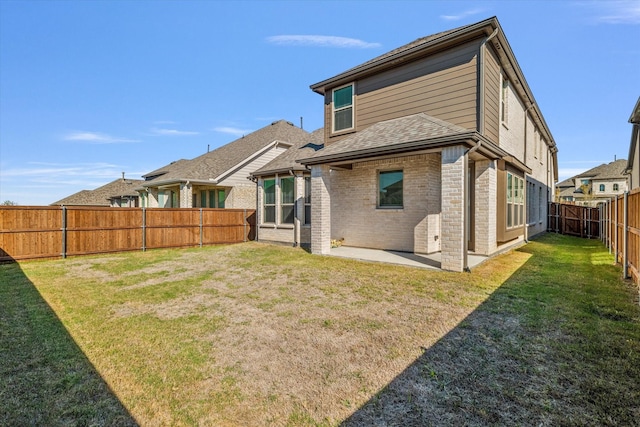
x=118, y=193
x=437, y=146
x=564, y=191
x=596, y=185
x=633, y=165
x=219, y=178
x=284, y=191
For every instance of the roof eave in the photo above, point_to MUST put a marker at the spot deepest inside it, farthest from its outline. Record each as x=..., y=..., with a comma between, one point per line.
x=418, y=50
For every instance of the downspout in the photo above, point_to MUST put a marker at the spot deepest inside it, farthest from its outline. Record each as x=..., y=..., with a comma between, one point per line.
x=257, y=225
x=481, y=83
x=467, y=181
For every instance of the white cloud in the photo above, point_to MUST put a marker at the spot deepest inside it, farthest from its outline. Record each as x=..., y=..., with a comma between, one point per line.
x=618, y=12
x=232, y=130
x=322, y=41
x=96, y=138
x=173, y=132
x=461, y=15
x=46, y=172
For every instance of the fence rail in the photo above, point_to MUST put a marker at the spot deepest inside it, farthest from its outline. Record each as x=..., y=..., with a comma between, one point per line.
x=615, y=222
x=31, y=232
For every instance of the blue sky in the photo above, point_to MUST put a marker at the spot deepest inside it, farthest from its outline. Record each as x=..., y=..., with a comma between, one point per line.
x=89, y=89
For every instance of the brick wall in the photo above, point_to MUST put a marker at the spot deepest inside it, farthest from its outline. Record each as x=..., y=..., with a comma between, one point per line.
x=454, y=167
x=356, y=218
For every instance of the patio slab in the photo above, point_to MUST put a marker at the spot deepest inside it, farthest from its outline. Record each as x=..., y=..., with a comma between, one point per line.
x=402, y=258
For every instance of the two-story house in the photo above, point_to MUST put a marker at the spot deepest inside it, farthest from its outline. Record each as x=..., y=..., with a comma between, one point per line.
x=437, y=146
x=600, y=183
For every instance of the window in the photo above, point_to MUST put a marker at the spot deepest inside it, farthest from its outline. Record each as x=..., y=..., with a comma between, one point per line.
x=390, y=189
x=343, y=108
x=602, y=187
x=143, y=199
x=504, y=101
x=269, y=200
x=216, y=198
x=615, y=187
x=307, y=200
x=287, y=197
x=161, y=199
x=515, y=201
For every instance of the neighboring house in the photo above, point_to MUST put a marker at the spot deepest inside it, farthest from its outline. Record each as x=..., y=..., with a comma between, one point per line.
x=437, y=146
x=564, y=191
x=219, y=178
x=597, y=184
x=284, y=191
x=118, y=193
x=633, y=165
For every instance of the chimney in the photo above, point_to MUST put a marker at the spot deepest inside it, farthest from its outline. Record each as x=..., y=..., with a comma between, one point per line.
x=123, y=176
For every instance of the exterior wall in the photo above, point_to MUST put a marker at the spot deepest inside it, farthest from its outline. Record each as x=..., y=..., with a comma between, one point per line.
x=241, y=196
x=512, y=129
x=240, y=175
x=357, y=219
x=454, y=173
x=635, y=171
x=485, y=207
x=491, y=95
x=608, y=187
x=321, y=210
x=186, y=197
x=443, y=85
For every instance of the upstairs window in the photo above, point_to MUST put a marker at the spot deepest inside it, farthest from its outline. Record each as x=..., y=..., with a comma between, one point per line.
x=343, y=108
x=602, y=187
x=504, y=102
x=615, y=187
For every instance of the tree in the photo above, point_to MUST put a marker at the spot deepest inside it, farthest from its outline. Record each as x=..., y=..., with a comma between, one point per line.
x=9, y=203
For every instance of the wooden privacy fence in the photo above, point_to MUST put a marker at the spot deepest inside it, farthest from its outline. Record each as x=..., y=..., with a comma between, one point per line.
x=621, y=231
x=581, y=221
x=52, y=232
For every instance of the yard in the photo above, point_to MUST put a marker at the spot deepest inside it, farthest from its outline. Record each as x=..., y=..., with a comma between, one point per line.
x=258, y=335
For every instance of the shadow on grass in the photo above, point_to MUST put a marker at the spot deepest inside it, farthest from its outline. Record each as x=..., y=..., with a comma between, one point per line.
x=526, y=356
x=45, y=377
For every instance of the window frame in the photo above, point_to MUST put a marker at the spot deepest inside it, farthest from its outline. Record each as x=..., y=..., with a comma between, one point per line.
x=379, y=203
x=602, y=188
x=616, y=187
x=504, y=100
x=514, y=217
x=288, y=205
x=335, y=110
x=266, y=205
x=307, y=201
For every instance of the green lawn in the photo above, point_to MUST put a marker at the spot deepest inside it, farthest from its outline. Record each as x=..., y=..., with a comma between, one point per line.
x=254, y=334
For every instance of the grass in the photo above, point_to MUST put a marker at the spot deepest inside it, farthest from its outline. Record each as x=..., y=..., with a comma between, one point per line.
x=254, y=334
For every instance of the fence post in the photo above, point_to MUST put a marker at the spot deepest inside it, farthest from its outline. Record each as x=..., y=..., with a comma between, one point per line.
x=201, y=230
x=64, y=232
x=625, y=238
x=244, y=235
x=144, y=229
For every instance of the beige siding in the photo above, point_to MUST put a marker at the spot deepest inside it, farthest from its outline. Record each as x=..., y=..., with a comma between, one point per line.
x=491, y=96
x=443, y=85
x=239, y=176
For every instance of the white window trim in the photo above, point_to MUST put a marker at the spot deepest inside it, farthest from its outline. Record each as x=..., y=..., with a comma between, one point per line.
x=274, y=204
x=352, y=106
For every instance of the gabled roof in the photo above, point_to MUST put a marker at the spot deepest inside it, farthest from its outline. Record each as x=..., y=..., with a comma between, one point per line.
x=613, y=170
x=175, y=165
x=101, y=195
x=288, y=161
x=214, y=165
x=437, y=42
x=567, y=183
x=403, y=135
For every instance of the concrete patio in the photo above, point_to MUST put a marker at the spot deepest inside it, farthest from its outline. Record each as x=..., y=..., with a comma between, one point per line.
x=402, y=258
